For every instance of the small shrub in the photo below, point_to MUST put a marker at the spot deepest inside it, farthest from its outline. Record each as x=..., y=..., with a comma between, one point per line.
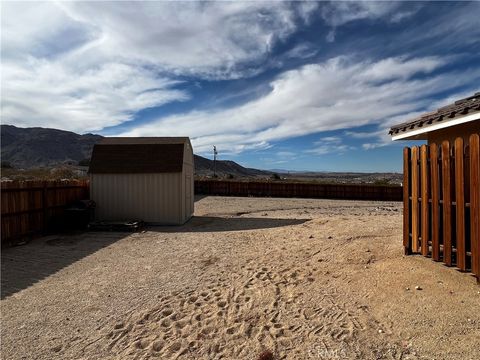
x=266, y=355
x=382, y=182
x=62, y=173
x=84, y=162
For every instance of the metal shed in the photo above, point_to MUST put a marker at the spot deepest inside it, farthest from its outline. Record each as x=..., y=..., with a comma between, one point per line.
x=143, y=178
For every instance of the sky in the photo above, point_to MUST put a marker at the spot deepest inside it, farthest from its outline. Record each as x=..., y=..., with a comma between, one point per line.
x=274, y=85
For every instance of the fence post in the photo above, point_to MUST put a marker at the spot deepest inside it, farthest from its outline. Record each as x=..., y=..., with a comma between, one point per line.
x=407, y=244
x=475, y=202
x=435, y=188
x=460, y=204
x=44, y=206
x=447, y=204
x=414, y=185
x=424, y=196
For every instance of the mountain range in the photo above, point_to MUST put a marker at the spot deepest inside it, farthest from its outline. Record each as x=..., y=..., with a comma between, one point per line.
x=28, y=148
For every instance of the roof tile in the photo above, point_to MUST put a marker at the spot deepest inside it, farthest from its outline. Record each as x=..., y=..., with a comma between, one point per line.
x=459, y=108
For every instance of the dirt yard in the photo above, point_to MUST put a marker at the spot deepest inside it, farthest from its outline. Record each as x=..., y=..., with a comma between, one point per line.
x=304, y=279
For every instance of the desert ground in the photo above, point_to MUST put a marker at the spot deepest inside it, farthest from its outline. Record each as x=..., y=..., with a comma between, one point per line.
x=302, y=279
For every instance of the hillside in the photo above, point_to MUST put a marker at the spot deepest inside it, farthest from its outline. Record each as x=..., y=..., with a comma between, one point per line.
x=204, y=167
x=39, y=147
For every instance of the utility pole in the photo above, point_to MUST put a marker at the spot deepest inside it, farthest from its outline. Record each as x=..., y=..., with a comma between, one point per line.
x=215, y=161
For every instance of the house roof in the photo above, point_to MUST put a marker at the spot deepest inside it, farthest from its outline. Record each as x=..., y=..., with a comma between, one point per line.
x=444, y=115
x=117, y=155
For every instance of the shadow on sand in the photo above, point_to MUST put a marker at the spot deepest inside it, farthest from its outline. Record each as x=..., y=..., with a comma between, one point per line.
x=23, y=266
x=218, y=224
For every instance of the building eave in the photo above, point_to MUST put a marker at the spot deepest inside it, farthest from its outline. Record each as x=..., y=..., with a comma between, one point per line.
x=416, y=134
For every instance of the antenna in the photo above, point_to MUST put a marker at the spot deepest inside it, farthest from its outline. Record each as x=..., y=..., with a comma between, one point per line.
x=215, y=153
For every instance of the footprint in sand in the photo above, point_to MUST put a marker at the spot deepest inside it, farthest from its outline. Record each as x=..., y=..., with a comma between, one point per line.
x=230, y=319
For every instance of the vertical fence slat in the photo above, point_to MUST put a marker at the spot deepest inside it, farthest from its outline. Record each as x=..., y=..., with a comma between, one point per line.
x=435, y=194
x=424, y=196
x=474, y=147
x=28, y=207
x=303, y=190
x=407, y=246
x=460, y=205
x=414, y=184
x=45, y=204
x=447, y=204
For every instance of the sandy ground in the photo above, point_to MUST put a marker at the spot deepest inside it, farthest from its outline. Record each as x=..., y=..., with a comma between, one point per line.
x=304, y=279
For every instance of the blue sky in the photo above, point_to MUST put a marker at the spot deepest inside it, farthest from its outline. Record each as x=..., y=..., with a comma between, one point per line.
x=274, y=85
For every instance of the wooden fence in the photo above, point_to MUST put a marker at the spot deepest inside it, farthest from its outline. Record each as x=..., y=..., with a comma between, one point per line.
x=299, y=190
x=442, y=202
x=34, y=207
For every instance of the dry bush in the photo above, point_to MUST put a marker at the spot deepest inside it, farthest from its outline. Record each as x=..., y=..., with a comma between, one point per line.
x=266, y=355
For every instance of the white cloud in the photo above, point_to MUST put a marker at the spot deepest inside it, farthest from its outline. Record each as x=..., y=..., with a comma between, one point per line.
x=42, y=93
x=371, y=146
x=330, y=139
x=337, y=13
x=302, y=51
x=336, y=94
x=402, y=15
x=330, y=36
x=84, y=66
x=380, y=137
x=202, y=38
x=286, y=154
x=395, y=68
x=329, y=144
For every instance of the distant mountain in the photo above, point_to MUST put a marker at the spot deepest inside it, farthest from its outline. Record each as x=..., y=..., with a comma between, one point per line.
x=205, y=167
x=40, y=147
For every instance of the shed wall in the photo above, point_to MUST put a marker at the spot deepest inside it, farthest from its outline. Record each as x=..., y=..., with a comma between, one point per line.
x=153, y=198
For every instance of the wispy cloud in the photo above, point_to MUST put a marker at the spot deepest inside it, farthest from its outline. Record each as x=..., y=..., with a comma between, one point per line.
x=301, y=68
x=312, y=99
x=402, y=15
x=329, y=144
x=337, y=13
x=84, y=66
x=49, y=94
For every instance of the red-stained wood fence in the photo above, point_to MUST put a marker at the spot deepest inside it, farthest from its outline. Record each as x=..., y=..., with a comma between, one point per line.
x=35, y=207
x=441, y=196
x=298, y=190
x=30, y=208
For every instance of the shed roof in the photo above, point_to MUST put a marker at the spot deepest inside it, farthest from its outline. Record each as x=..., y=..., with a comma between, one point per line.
x=143, y=140
x=447, y=114
x=123, y=155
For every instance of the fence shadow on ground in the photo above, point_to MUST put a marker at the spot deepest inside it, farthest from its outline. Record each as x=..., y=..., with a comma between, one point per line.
x=199, y=197
x=23, y=266
x=219, y=224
